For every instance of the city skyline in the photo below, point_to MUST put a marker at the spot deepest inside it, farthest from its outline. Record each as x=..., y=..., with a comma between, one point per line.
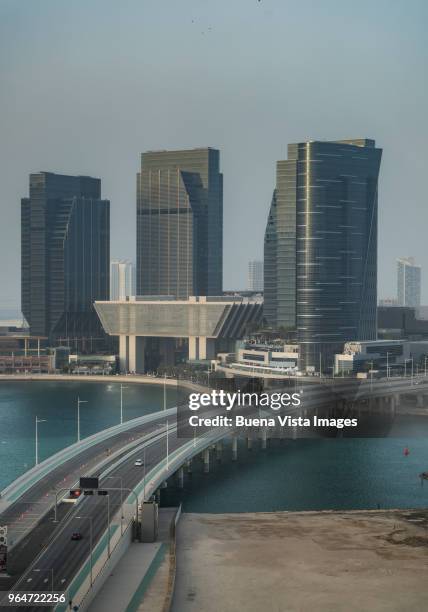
x=240, y=106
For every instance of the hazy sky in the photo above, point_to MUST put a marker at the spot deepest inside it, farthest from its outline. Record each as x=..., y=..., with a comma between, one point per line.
x=86, y=85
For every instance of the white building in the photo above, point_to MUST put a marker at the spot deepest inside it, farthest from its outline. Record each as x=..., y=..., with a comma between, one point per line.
x=122, y=279
x=408, y=282
x=255, y=275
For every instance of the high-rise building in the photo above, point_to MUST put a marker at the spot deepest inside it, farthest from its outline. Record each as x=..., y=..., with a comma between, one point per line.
x=180, y=223
x=255, y=275
x=65, y=254
x=408, y=282
x=320, y=267
x=122, y=279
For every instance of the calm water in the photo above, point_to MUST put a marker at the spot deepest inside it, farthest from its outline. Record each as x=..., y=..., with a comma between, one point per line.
x=312, y=474
x=56, y=402
x=305, y=474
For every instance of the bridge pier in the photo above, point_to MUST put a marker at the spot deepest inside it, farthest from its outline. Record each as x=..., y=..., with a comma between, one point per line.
x=249, y=442
x=180, y=475
x=264, y=438
x=420, y=400
x=219, y=449
x=234, y=448
x=189, y=466
x=206, y=460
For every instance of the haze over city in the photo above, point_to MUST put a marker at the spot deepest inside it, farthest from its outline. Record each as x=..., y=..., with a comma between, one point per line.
x=88, y=86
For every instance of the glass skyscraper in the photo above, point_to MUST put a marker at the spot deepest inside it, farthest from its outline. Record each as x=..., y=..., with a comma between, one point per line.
x=180, y=223
x=321, y=247
x=65, y=256
x=408, y=282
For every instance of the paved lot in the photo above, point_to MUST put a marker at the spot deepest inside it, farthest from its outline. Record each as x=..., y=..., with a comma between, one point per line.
x=300, y=562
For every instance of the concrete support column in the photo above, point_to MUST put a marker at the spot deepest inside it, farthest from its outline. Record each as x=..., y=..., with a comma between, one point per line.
x=180, y=474
x=132, y=362
x=193, y=348
x=264, y=438
x=123, y=353
x=249, y=442
x=206, y=460
x=219, y=448
x=420, y=400
x=189, y=466
x=234, y=448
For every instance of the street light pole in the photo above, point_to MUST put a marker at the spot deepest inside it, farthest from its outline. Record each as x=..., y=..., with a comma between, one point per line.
x=37, y=437
x=164, y=392
x=79, y=401
x=167, y=446
x=122, y=387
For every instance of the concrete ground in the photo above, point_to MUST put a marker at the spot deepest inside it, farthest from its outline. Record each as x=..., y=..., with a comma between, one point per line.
x=374, y=561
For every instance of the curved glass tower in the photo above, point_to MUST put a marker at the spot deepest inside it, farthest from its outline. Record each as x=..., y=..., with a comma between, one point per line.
x=321, y=247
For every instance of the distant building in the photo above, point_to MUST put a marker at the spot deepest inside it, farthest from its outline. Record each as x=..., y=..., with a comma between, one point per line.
x=320, y=251
x=408, y=282
x=65, y=255
x=388, y=302
x=122, y=279
x=180, y=223
x=402, y=322
x=255, y=276
x=391, y=357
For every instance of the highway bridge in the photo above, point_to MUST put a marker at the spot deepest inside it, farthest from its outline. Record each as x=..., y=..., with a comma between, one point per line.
x=43, y=555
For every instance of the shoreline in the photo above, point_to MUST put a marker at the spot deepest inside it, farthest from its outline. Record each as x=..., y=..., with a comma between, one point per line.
x=120, y=378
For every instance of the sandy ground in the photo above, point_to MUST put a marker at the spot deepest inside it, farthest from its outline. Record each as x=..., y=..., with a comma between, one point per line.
x=309, y=561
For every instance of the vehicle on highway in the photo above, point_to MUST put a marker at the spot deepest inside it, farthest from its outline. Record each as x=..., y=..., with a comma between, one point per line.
x=139, y=462
x=76, y=536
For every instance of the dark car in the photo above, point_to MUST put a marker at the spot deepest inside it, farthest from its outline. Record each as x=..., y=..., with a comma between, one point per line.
x=76, y=535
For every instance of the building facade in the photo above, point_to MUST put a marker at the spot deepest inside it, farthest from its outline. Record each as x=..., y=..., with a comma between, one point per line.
x=408, y=282
x=65, y=254
x=122, y=279
x=180, y=223
x=321, y=247
x=255, y=276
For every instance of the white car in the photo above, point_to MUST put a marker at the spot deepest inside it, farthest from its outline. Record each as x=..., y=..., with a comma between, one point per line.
x=139, y=462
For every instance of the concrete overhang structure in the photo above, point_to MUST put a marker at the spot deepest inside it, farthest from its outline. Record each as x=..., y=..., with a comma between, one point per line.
x=202, y=320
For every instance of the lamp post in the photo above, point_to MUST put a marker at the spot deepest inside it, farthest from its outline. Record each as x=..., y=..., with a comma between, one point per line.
x=37, y=437
x=164, y=392
x=79, y=401
x=121, y=498
x=167, y=446
x=90, y=542
x=122, y=387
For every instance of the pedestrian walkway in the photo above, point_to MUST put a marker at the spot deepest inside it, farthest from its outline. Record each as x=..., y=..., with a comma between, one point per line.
x=140, y=580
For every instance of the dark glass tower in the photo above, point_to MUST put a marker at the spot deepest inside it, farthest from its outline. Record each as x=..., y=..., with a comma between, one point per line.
x=321, y=246
x=65, y=256
x=180, y=223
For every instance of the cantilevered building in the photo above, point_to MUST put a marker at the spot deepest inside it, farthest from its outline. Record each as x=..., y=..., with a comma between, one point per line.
x=65, y=256
x=180, y=223
x=321, y=247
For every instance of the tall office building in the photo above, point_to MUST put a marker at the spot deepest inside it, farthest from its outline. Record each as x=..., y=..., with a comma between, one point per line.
x=408, y=282
x=122, y=279
x=180, y=223
x=255, y=275
x=321, y=246
x=65, y=254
